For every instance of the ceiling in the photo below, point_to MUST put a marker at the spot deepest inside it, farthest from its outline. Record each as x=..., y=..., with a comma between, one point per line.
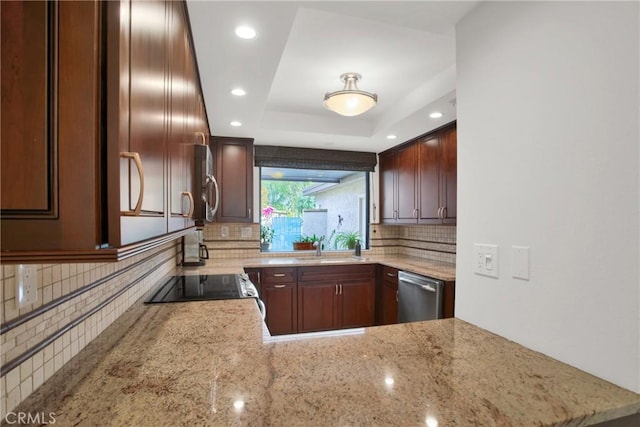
x=405, y=52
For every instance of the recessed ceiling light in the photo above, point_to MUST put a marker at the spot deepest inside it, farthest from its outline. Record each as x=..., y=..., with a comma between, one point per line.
x=238, y=91
x=235, y=123
x=245, y=32
x=391, y=136
x=435, y=115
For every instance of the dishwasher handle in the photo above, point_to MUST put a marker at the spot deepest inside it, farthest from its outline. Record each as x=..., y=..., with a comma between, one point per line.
x=426, y=287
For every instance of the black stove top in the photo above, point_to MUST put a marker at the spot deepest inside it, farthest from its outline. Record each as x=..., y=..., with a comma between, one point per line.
x=203, y=288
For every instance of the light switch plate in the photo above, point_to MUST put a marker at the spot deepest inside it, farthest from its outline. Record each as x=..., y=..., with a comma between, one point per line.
x=520, y=262
x=245, y=232
x=485, y=260
x=224, y=231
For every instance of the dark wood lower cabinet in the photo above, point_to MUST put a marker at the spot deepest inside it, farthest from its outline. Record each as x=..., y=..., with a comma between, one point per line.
x=314, y=299
x=281, y=302
x=388, y=305
x=356, y=303
x=318, y=308
x=336, y=297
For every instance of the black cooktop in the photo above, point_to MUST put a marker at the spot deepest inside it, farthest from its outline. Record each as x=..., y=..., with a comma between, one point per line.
x=203, y=288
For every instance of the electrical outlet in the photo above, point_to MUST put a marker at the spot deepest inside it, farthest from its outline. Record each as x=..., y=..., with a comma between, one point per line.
x=26, y=285
x=245, y=232
x=224, y=231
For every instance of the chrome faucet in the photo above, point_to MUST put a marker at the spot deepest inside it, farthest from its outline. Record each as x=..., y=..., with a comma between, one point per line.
x=318, y=245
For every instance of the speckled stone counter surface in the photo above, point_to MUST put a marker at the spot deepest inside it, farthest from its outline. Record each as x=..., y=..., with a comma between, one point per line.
x=213, y=363
x=436, y=269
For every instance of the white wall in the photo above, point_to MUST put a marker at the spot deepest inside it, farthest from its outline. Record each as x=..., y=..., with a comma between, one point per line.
x=548, y=157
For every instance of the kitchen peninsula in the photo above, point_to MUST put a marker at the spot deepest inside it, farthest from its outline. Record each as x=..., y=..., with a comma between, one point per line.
x=214, y=363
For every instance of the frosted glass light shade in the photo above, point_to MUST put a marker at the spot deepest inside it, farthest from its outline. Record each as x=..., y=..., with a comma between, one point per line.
x=350, y=101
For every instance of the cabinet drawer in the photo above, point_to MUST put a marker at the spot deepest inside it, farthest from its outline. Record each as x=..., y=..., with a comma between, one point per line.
x=390, y=273
x=278, y=275
x=336, y=272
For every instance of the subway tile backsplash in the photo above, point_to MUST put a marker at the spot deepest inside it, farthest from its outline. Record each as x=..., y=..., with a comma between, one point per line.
x=434, y=242
x=75, y=303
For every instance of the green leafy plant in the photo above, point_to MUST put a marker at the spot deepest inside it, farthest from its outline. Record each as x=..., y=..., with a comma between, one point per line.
x=308, y=239
x=266, y=234
x=346, y=239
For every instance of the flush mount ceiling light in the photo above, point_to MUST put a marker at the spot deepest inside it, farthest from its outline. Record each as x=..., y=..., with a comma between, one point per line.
x=245, y=32
x=350, y=101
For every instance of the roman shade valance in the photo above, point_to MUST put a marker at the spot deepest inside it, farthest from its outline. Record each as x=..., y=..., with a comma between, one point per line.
x=311, y=158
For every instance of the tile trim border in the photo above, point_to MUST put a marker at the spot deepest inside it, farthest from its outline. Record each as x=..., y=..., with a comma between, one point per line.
x=12, y=364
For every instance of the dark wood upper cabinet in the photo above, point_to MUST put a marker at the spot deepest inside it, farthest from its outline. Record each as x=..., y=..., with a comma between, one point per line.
x=429, y=176
x=420, y=184
x=28, y=148
x=407, y=163
x=388, y=193
x=96, y=113
x=234, y=172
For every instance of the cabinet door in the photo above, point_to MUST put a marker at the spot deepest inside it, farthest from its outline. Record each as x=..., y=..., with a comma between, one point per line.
x=406, y=191
x=147, y=123
x=356, y=303
x=148, y=103
x=449, y=187
x=388, y=172
x=234, y=171
x=180, y=197
x=317, y=306
x=281, y=300
x=50, y=128
x=388, y=295
x=429, y=177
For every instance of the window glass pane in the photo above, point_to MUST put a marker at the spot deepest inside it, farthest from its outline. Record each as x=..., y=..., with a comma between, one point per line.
x=303, y=205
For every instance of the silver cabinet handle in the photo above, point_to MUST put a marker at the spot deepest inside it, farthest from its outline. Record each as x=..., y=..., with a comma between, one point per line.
x=279, y=286
x=336, y=285
x=259, y=277
x=136, y=159
x=395, y=214
x=200, y=138
x=391, y=274
x=191, y=204
x=444, y=212
x=397, y=292
x=340, y=288
x=279, y=275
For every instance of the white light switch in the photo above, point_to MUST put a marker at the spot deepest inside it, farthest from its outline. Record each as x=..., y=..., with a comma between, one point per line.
x=520, y=262
x=224, y=231
x=485, y=260
x=245, y=232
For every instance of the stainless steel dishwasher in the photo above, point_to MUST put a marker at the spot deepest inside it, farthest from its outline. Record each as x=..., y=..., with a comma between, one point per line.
x=419, y=297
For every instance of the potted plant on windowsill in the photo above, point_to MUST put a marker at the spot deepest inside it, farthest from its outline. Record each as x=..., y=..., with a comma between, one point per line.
x=305, y=243
x=266, y=237
x=346, y=240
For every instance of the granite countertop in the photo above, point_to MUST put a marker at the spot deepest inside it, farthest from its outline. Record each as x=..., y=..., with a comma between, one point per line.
x=214, y=363
x=436, y=269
